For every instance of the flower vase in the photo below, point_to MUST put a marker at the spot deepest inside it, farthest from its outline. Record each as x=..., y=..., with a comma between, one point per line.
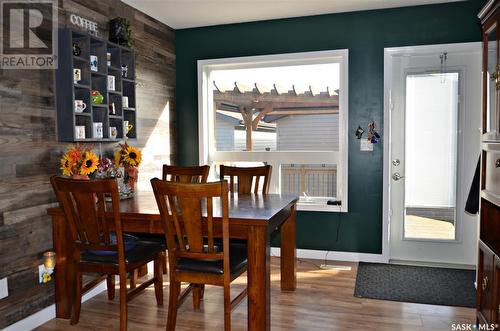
x=130, y=177
x=80, y=177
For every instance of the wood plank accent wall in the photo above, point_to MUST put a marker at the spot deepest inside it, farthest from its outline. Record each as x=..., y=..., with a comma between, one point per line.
x=29, y=151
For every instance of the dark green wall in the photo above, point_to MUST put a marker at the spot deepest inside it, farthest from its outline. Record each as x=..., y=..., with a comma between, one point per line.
x=365, y=34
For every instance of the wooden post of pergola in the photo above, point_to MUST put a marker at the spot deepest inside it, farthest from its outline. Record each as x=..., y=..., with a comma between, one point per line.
x=247, y=114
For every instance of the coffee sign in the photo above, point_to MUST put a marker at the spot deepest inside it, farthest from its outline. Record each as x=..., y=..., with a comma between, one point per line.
x=84, y=23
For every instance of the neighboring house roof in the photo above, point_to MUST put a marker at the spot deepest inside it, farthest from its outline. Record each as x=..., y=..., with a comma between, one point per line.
x=227, y=118
x=235, y=119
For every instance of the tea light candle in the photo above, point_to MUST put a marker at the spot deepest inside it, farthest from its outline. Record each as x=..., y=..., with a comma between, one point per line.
x=49, y=260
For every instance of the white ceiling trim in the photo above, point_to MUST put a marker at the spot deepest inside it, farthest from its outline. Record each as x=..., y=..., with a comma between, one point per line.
x=180, y=14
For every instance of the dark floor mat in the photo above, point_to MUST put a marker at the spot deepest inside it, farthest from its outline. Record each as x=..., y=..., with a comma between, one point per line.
x=429, y=285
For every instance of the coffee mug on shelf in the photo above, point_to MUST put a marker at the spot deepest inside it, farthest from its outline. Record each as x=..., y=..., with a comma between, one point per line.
x=111, y=83
x=97, y=130
x=113, y=132
x=125, y=102
x=127, y=127
x=93, y=63
x=80, y=106
x=77, y=75
x=124, y=70
x=77, y=51
x=80, y=132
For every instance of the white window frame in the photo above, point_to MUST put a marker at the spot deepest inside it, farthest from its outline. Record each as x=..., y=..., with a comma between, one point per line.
x=208, y=153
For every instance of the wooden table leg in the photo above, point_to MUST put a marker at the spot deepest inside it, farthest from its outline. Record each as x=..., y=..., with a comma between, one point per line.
x=259, y=279
x=289, y=253
x=65, y=267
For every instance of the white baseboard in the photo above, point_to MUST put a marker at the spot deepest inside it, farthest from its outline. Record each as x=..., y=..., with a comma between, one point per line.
x=334, y=256
x=46, y=314
x=434, y=264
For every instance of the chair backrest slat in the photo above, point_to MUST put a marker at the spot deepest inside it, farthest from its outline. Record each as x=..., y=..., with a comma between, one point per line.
x=210, y=225
x=190, y=207
x=186, y=174
x=193, y=205
x=231, y=180
x=246, y=177
x=88, y=222
x=179, y=233
x=84, y=206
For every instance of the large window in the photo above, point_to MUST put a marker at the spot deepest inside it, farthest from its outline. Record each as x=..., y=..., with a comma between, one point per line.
x=289, y=111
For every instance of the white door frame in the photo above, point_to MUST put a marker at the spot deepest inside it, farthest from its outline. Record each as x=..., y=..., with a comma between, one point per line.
x=388, y=53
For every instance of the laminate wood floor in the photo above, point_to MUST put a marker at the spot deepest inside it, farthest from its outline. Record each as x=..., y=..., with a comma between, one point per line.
x=323, y=301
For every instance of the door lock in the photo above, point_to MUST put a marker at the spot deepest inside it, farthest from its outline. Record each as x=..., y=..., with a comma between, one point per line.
x=396, y=162
x=397, y=176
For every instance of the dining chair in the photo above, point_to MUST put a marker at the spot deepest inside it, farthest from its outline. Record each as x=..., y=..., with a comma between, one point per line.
x=99, y=243
x=194, y=258
x=194, y=174
x=245, y=177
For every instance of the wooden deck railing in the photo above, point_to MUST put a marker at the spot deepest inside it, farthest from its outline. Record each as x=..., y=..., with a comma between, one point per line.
x=315, y=180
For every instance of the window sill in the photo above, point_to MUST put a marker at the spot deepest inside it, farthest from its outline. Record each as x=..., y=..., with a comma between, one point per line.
x=320, y=206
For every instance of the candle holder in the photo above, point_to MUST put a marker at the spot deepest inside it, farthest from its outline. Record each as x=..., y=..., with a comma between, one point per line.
x=46, y=269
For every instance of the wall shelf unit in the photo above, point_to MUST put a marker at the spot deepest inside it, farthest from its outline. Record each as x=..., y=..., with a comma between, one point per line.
x=110, y=112
x=488, y=271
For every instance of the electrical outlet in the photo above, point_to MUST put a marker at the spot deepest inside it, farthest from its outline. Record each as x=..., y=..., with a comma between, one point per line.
x=4, y=289
x=41, y=271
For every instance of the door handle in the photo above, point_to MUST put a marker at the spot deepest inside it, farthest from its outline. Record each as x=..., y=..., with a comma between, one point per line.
x=485, y=283
x=397, y=176
x=495, y=76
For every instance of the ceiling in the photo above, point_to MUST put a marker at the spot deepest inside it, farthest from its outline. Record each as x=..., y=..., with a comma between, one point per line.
x=180, y=14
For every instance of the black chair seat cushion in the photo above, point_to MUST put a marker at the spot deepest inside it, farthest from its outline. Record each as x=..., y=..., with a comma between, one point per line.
x=158, y=238
x=143, y=250
x=237, y=261
x=128, y=243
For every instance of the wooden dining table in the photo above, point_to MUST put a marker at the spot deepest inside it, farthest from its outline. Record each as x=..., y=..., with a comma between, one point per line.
x=251, y=216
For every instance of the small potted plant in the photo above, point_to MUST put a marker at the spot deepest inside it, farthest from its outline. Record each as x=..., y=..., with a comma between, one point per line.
x=120, y=31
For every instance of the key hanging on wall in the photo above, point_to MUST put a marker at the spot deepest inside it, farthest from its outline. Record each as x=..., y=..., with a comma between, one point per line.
x=373, y=135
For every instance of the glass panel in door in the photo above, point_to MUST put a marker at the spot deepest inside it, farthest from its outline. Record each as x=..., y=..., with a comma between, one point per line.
x=431, y=123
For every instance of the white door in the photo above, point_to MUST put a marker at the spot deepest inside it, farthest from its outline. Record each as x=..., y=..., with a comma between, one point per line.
x=434, y=100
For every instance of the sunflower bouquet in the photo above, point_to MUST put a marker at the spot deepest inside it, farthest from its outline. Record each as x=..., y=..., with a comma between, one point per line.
x=129, y=158
x=79, y=162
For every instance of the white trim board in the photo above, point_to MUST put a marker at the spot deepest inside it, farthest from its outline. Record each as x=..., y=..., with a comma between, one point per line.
x=48, y=313
x=334, y=256
x=206, y=125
